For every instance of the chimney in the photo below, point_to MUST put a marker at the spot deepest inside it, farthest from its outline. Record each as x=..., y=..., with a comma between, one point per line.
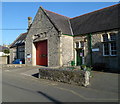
x=29, y=21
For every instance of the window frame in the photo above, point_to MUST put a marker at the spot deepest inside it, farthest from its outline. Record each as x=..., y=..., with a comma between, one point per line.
x=104, y=50
x=80, y=43
x=112, y=50
x=109, y=44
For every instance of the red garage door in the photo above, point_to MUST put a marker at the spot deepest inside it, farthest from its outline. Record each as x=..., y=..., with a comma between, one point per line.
x=41, y=53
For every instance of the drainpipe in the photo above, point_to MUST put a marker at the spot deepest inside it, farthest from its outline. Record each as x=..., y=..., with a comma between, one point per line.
x=90, y=48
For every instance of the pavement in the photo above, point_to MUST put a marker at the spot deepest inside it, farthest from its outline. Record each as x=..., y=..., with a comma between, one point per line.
x=18, y=85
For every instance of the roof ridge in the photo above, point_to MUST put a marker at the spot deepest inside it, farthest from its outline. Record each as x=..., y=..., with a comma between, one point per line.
x=95, y=11
x=57, y=13
x=24, y=33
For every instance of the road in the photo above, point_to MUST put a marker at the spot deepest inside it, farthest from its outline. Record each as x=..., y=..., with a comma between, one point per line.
x=19, y=86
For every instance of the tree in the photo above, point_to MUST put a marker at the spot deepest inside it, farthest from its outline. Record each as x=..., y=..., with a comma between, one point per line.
x=7, y=51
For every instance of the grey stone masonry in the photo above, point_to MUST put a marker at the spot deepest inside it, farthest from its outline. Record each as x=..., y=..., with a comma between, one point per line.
x=86, y=51
x=13, y=54
x=60, y=47
x=66, y=76
x=66, y=43
x=110, y=62
x=41, y=25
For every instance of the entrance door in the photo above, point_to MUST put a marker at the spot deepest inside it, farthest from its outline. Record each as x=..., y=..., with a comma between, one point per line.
x=41, y=53
x=79, y=57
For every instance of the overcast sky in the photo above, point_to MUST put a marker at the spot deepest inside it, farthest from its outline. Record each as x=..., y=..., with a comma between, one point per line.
x=14, y=15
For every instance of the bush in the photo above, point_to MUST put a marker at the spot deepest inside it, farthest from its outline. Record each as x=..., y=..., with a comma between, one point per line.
x=84, y=67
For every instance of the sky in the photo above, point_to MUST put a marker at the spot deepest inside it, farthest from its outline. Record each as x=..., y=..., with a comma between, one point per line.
x=14, y=14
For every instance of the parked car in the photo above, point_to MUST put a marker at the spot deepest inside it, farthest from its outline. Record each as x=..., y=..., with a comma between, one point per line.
x=19, y=61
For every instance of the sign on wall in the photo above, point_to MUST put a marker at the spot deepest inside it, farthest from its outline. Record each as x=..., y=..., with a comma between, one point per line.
x=29, y=57
x=81, y=54
x=95, y=50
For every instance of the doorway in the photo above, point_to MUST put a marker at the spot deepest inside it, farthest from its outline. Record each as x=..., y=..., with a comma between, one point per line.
x=79, y=58
x=41, y=53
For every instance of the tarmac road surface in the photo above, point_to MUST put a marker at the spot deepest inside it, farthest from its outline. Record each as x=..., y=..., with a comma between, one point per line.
x=19, y=86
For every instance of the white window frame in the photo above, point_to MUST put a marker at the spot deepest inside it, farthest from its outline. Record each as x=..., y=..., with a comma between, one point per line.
x=111, y=51
x=104, y=51
x=80, y=44
x=109, y=44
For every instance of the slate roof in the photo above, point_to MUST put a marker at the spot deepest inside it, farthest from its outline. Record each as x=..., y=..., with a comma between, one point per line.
x=19, y=41
x=62, y=22
x=100, y=20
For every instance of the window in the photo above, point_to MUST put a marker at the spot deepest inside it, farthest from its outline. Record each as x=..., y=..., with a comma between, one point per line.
x=112, y=37
x=82, y=44
x=79, y=44
x=109, y=44
x=105, y=37
x=113, y=48
x=16, y=42
x=106, y=48
x=23, y=41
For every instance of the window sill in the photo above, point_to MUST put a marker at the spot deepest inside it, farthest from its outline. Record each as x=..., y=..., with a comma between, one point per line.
x=110, y=41
x=109, y=55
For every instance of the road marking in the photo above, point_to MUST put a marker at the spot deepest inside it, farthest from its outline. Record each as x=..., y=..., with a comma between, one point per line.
x=25, y=74
x=81, y=96
x=75, y=93
x=6, y=70
x=54, y=84
x=71, y=91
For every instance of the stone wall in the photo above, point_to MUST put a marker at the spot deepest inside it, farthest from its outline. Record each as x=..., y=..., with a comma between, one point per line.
x=97, y=56
x=109, y=62
x=21, y=52
x=60, y=46
x=118, y=48
x=17, y=52
x=3, y=60
x=66, y=49
x=86, y=51
x=42, y=25
x=13, y=54
x=65, y=76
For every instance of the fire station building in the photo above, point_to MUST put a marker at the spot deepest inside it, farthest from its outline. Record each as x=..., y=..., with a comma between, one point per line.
x=92, y=39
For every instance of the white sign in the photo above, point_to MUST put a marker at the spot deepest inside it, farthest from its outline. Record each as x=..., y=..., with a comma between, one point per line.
x=95, y=49
x=81, y=54
x=28, y=55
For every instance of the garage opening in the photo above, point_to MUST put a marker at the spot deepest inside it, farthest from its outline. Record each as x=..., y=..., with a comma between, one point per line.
x=41, y=53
